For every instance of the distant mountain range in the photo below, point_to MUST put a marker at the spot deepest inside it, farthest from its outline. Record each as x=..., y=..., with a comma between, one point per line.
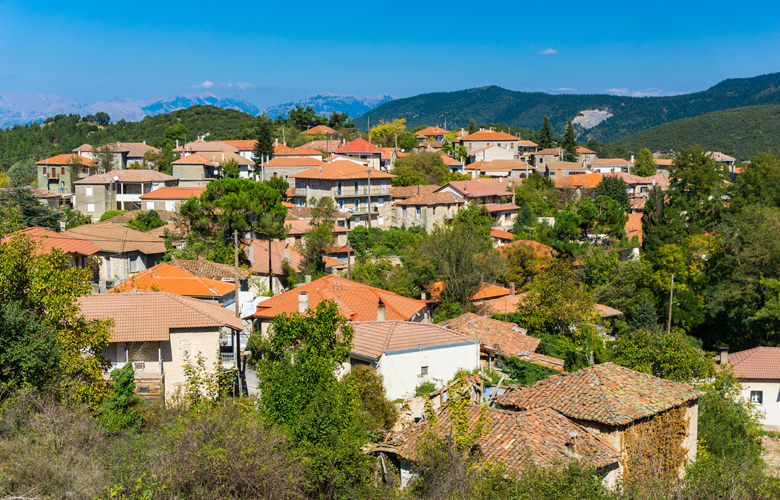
x=18, y=108
x=600, y=116
x=326, y=103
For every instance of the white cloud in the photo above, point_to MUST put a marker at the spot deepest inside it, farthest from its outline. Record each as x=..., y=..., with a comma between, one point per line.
x=564, y=89
x=208, y=84
x=649, y=92
x=548, y=52
x=240, y=85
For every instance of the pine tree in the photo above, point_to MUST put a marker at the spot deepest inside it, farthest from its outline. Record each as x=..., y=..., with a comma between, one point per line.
x=264, y=149
x=645, y=165
x=643, y=315
x=472, y=126
x=546, y=134
x=570, y=143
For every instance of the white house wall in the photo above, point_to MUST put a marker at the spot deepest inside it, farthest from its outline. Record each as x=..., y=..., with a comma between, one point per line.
x=771, y=398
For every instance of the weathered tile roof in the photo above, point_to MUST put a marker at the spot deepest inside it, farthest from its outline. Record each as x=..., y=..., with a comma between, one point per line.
x=432, y=131
x=319, y=130
x=757, y=363
x=324, y=145
x=115, y=238
x=343, y=169
x=359, y=145
x=294, y=161
x=476, y=188
x=298, y=227
x=131, y=175
x=166, y=278
x=634, y=226
x=212, y=270
x=242, y=144
x=489, y=135
x=403, y=192
x=610, y=162
x=543, y=436
x=194, y=159
x=374, y=338
x=606, y=393
x=431, y=199
x=357, y=302
x=257, y=253
x=142, y=316
x=49, y=240
x=125, y=217
x=66, y=159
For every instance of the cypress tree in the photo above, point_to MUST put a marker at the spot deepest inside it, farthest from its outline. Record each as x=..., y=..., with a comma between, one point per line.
x=264, y=149
x=570, y=143
x=472, y=126
x=643, y=315
x=546, y=134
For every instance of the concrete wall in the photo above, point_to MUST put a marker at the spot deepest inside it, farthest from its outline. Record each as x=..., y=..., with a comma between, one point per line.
x=307, y=189
x=429, y=215
x=189, y=342
x=284, y=172
x=189, y=173
x=401, y=370
x=770, y=406
x=100, y=200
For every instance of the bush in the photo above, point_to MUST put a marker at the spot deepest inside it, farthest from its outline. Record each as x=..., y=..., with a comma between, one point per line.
x=524, y=372
x=110, y=214
x=119, y=411
x=374, y=408
x=424, y=388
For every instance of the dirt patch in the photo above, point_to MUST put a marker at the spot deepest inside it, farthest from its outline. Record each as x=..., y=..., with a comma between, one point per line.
x=771, y=455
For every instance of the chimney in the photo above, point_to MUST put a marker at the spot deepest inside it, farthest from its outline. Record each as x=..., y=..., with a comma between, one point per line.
x=303, y=302
x=144, y=142
x=177, y=143
x=418, y=189
x=381, y=311
x=512, y=289
x=276, y=141
x=724, y=355
x=223, y=157
x=422, y=295
x=308, y=278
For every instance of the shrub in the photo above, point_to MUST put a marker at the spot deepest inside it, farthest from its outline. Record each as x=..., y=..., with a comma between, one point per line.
x=111, y=214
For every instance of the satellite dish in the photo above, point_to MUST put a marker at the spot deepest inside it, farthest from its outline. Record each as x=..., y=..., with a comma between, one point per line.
x=116, y=178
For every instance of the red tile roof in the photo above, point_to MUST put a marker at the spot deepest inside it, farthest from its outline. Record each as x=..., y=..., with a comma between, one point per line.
x=492, y=208
x=115, y=238
x=634, y=226
x=49, y=240
x=432, y=131
x=166, y=278
x=762, y=363
x=357, y=302
x=490, y=135
x=359, y=145
x=174, y=193
x=342, y=170
x=319, y=130
x=242, y=144
x=476, y=189
x=403, y=192
x=143, y=316
x=541, y=436
x=501, y=235
x=606, y=393
x=287, y=161
x=375, y=338
x=449, y=160
x=66, y=159
x=431, y=199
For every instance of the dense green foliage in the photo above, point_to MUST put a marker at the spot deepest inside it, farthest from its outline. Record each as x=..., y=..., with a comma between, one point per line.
x=525, y=372
x=31, y=211
x=146, y=221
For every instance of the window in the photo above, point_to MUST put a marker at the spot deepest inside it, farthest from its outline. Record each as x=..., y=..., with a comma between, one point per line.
x=380, y=220
x=424, y=371
x=135, y=263
x=88, y=191
x=150, y=205
x=170, y=206
x=380, y=202
x=757, y=397
x=418, y=213
x=404, y=210
x=300, y=202
x=341, y=204
x=357, y=205
x=90, y=207
x=62, y=170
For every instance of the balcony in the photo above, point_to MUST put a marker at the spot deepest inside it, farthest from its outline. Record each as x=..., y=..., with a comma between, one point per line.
x=360, y=191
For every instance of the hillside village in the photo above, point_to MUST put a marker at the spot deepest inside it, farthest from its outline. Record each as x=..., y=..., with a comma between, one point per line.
x=405, y=306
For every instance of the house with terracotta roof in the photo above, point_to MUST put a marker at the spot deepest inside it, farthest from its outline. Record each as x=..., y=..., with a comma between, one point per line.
x=298, y=228
x=607, y=165
x=123, y=154
x=360, y=191
x=405, y=192
x=57, y=174
x=580, y=183
x=525, y=150
x=78, y=251
x=408, y=354
x=169, y=199
x=759, y=372
x=500, y=338
x=542, y=157
x=319, y=130
x=362, y=150
x=500, y=237
x=499, y=202
x=557, y=170
x=426, y=210
x=244, y=147
x=356, y=302
x=516, y=169
x=326, y=146
x=488, y=138
x=171, y=330
x=490, y=153
x=286, y=166
x=118, y=190
x=123, y=251
x=639, y=187
x=620, y=405
x=432, y=135
x=510, y=439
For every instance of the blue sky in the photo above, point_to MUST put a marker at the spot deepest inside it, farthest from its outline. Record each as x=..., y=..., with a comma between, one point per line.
x=273, y=52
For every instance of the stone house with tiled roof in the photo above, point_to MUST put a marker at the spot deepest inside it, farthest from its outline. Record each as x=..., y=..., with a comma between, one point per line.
x=759, y=372
x=426, y=210
x=622, y=407
x=57, y=174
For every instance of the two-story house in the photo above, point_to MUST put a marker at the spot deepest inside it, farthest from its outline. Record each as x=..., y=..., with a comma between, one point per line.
x=362, y=150
x=123, y=154
x=487, y=138
x=541, y=158
x=287, y=166
x=118, y=190
x=497, y=200
x=360, y=191
x=426, y=210
x=608, y=165
x=433, y=136
x=57, y=174
x=169, y=199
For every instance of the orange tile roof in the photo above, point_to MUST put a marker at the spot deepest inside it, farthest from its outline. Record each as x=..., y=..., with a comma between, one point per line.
x=540, y=249
x=634, y=226
x=489, y=135
x=303, y=150
x=359, y=145
x=143, y=316
x=542, y=437
x=66, y=159
x=501, y=235
x=449, y=160
x=319, y=130
x=499, y=165
x=242, y=144
x=476, y=189
x=375, y=338
x=299, y=226
x=762, y=363
x=174, y=193
x=588, y=181
x=606, y=393
x=557, y=151
x=486, y=291
x=403, y=192
x=166, y=278
x=432, y=131
x=283, y=150
x=343, y=169
x=115, y=238
x=357, y=302
x=194, y=159
x=610, y=162
x=287, y=161
x=49, y=240
x=528, y=144
x=257, y=253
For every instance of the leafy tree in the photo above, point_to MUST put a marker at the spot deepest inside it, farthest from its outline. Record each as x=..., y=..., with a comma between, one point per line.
x=522, y=263
x=599, y=266
x=374, y=409
x=314, y=247
x=264, y=147
x=698, y=188
x=666, y=355
x=10, y=217
x=118, y=412
x=645, y=165
x=278, y=184
x=381, y=273
x=386, y=133
x=162, y=161
x=4, y=180
x=472, y=126
x=303, y=118
x=525, y=220
x=476, y=218
x=545, y=139
x=74, y=218
x=570, y=143
x=217, y=248
x=524, y=372
x=175, y=133
x=759, y=182
x=407, y=140
x=146, y=221
x=102, y=118
x=420, y=168
x=230, y=169
x=340, y=120
x=643, y=314
x=615, y=188
x=539, y=193
x=23, y=173
x=31, y=212
x=567, y=226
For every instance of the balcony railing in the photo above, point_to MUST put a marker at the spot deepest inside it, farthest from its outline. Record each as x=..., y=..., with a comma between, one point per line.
x=361, y=191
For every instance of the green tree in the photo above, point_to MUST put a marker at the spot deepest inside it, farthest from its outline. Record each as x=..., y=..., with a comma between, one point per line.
x=175, y=133
x=545, y=137
x=759, y=182
x=374, y=409
x=643, y=314
x=314, y=247
x=570, y=143
x=645, y=165
x=119, y=412
x=278, y=184
x=146, y=221
x=472, y=126
x=23, y=173
x=303, y=118
x=420, y=168
x=74, y=218
x=615, y=188
x=386, y=133
x=476, y=218
x=264, y=147
x=31, y=212
x=230, y=169
x=102, y=118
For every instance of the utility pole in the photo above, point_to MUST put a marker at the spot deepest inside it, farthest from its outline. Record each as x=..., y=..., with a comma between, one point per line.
x=237, y=343
x=671, y=294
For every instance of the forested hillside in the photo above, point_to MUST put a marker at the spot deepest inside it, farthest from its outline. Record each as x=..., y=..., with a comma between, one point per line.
x=740, y=132
x=66, y=132
x=524, y=109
